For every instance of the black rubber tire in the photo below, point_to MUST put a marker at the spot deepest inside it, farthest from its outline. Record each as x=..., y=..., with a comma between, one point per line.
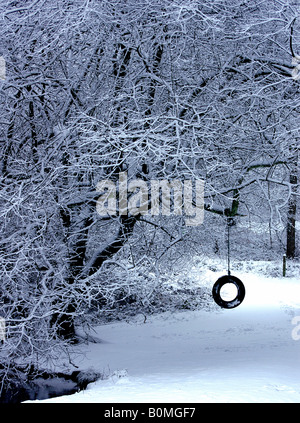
x=241, y=292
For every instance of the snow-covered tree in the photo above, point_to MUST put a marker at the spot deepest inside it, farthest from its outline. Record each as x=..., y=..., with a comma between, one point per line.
x=171, y=90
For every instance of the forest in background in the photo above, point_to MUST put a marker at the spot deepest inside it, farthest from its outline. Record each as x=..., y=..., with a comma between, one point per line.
x=162, y=90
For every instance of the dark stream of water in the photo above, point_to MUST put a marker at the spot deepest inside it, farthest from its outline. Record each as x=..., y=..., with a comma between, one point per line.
x=39, y=389
x=46, y=387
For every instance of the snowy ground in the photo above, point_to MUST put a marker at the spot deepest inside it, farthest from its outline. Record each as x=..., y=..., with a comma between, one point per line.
x=246, y=354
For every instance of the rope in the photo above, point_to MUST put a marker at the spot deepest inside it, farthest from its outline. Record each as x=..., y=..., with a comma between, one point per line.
x=228, y=245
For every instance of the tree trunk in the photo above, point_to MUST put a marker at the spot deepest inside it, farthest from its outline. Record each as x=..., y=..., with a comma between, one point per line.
x=292, y=209
x=64, y=321
x=291, y=220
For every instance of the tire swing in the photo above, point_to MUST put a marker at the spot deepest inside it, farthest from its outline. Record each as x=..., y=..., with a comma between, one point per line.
x=228, y=279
